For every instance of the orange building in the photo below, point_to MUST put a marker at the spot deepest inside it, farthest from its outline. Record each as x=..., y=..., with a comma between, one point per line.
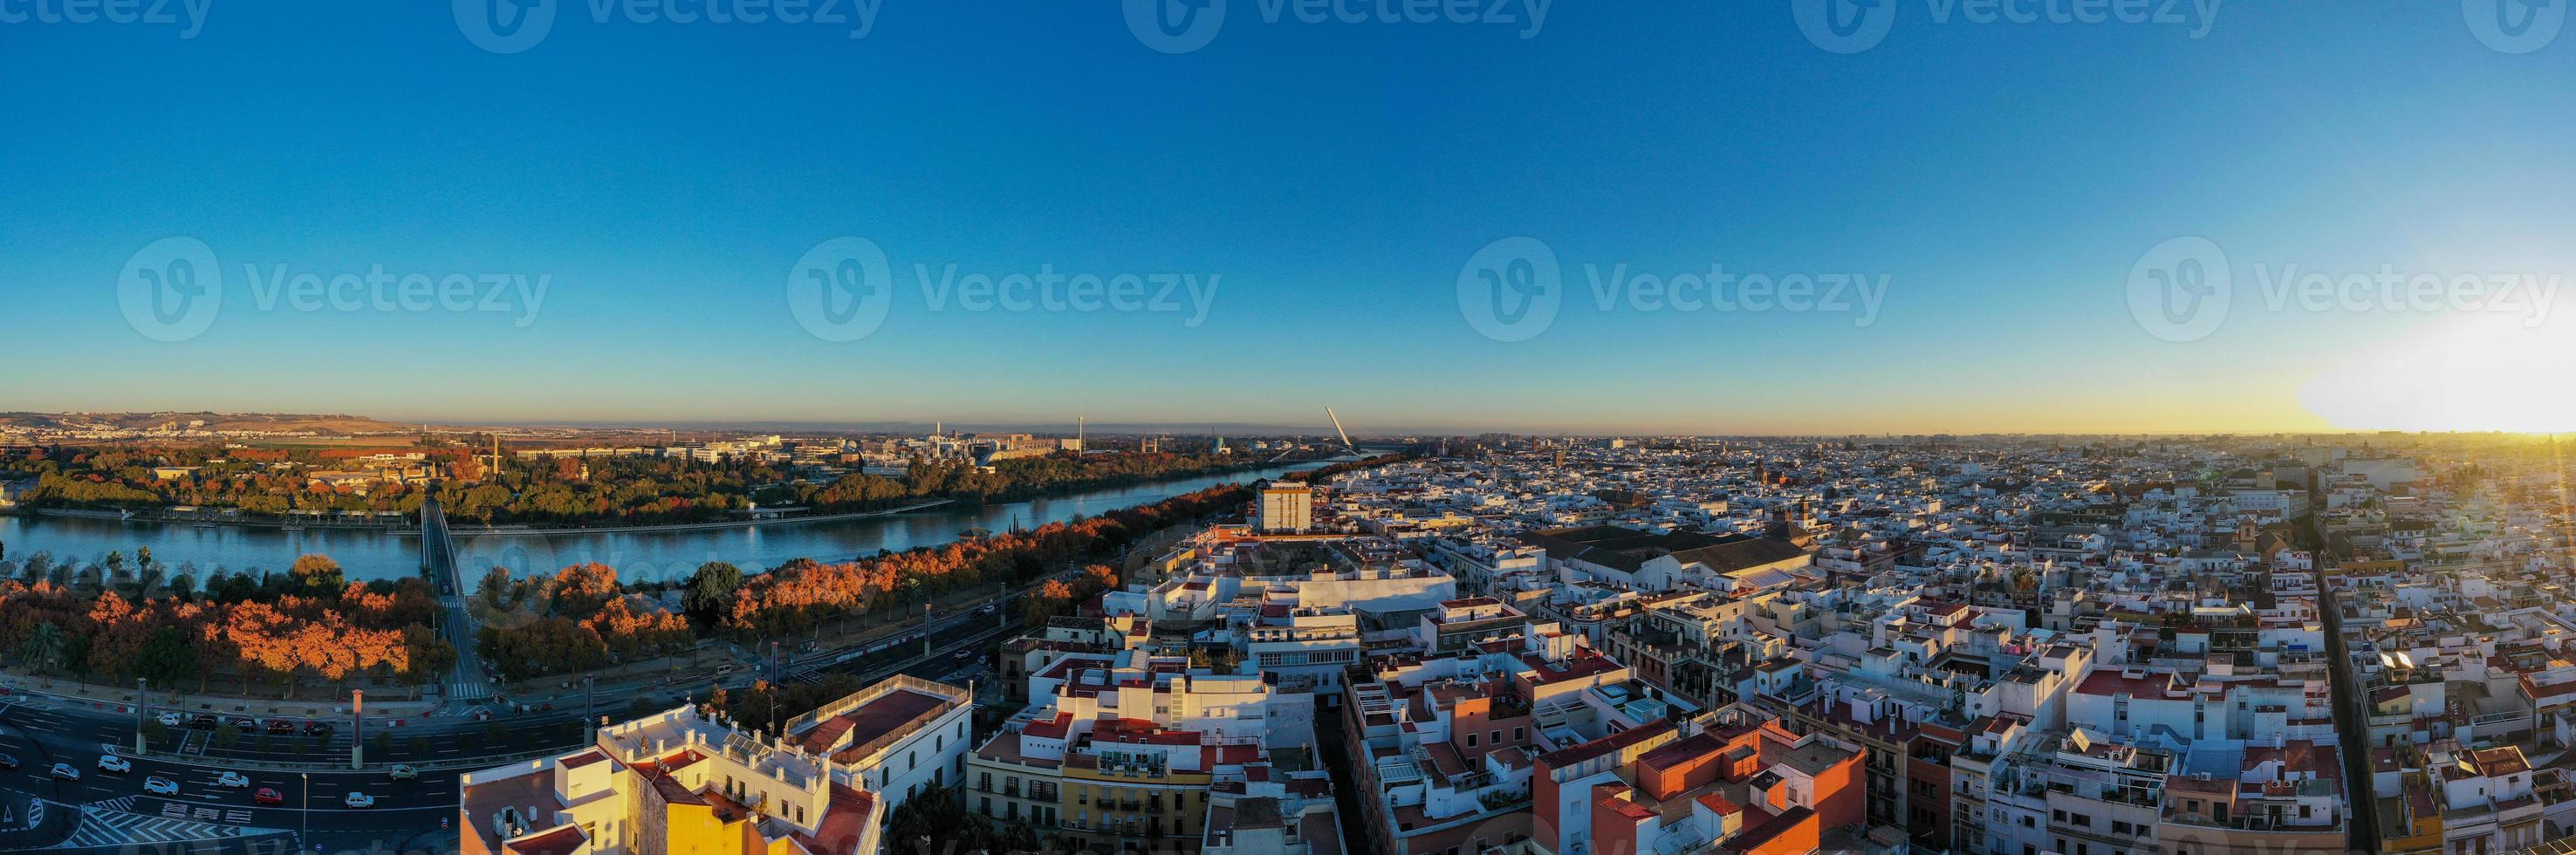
x=1744, y=789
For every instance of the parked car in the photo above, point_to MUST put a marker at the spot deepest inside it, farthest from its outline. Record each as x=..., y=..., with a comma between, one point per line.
x=267, y=796
x=244, y=722
x=113, y=763
x=403, y=773
x=8, y=762
x=203, y=722
x=169, y=719
x=317, y=728
x=281, y=727
x=65, y=772
x=359, y=800
x=160, y=786
x=232, y=779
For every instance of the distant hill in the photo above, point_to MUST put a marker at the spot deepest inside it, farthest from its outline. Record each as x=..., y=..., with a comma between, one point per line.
x=337, y=423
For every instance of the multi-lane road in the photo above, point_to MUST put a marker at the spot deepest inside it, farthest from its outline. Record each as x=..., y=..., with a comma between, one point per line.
x=438, y=560
x=104, y=810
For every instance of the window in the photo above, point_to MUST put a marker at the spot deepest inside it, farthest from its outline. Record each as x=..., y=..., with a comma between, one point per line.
x=1471, y=740
x=1519, y=734
x=988, y=806
x=2057, y=816
x=1496, y=738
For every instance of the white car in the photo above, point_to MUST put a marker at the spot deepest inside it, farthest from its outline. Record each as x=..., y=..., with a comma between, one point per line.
x=65, y=772
x=403, y=773
x=359, y=800
x=161, y=786
x=113, y=763
x=168, y=719
x=232, y=779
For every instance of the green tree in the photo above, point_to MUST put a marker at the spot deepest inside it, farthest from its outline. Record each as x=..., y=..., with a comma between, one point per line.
x=45, y=647
x=167, y=659
x=318, y=575
x=710, y=593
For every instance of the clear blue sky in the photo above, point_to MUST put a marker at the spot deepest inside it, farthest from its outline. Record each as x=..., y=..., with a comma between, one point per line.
x=2004, y=178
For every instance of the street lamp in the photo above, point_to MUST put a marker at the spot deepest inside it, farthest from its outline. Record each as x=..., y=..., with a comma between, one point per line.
x=308, y=806
x=140, y=685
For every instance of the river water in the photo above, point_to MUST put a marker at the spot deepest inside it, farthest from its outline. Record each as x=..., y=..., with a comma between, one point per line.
x=638, y=556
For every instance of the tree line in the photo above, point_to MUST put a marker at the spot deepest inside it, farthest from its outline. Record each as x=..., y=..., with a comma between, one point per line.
x=308, y=624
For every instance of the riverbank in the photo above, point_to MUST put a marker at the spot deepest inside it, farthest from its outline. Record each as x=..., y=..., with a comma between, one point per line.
x=376, y=554
x=511, y=531
x=160, y=519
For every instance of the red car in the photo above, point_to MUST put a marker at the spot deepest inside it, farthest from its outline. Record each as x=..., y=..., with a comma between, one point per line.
x=267, y=796
x=281, y=726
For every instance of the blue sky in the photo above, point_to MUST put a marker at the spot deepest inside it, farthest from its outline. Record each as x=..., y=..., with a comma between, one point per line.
x=2000, y=179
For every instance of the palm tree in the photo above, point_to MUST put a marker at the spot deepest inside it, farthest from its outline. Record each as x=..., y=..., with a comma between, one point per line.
x=44, y=647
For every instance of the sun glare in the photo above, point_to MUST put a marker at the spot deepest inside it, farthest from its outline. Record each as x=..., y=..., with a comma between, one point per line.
x=2477, y=372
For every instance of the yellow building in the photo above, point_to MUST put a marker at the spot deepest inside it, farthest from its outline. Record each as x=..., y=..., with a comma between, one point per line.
x=1114, y=802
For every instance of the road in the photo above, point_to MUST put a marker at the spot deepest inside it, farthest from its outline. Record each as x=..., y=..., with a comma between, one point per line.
x=104, y=810
x=438, y=559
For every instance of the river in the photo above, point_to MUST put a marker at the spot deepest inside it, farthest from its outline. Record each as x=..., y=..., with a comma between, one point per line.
x=638, y=556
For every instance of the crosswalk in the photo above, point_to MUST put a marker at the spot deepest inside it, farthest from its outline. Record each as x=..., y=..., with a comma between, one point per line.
x=102, y=827
x=468, y=691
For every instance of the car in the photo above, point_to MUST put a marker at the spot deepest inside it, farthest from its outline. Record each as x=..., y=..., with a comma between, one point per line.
x=8, y=762
x=160, y=786
x=281, y=727
x=232, y=779
x=317, y=728
x=65, y=772
x=113, y=763
x=203, y=722
x=359, y=800
x=403, y=773
x=244, y=722
x=267, y=796
x=169, y=719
